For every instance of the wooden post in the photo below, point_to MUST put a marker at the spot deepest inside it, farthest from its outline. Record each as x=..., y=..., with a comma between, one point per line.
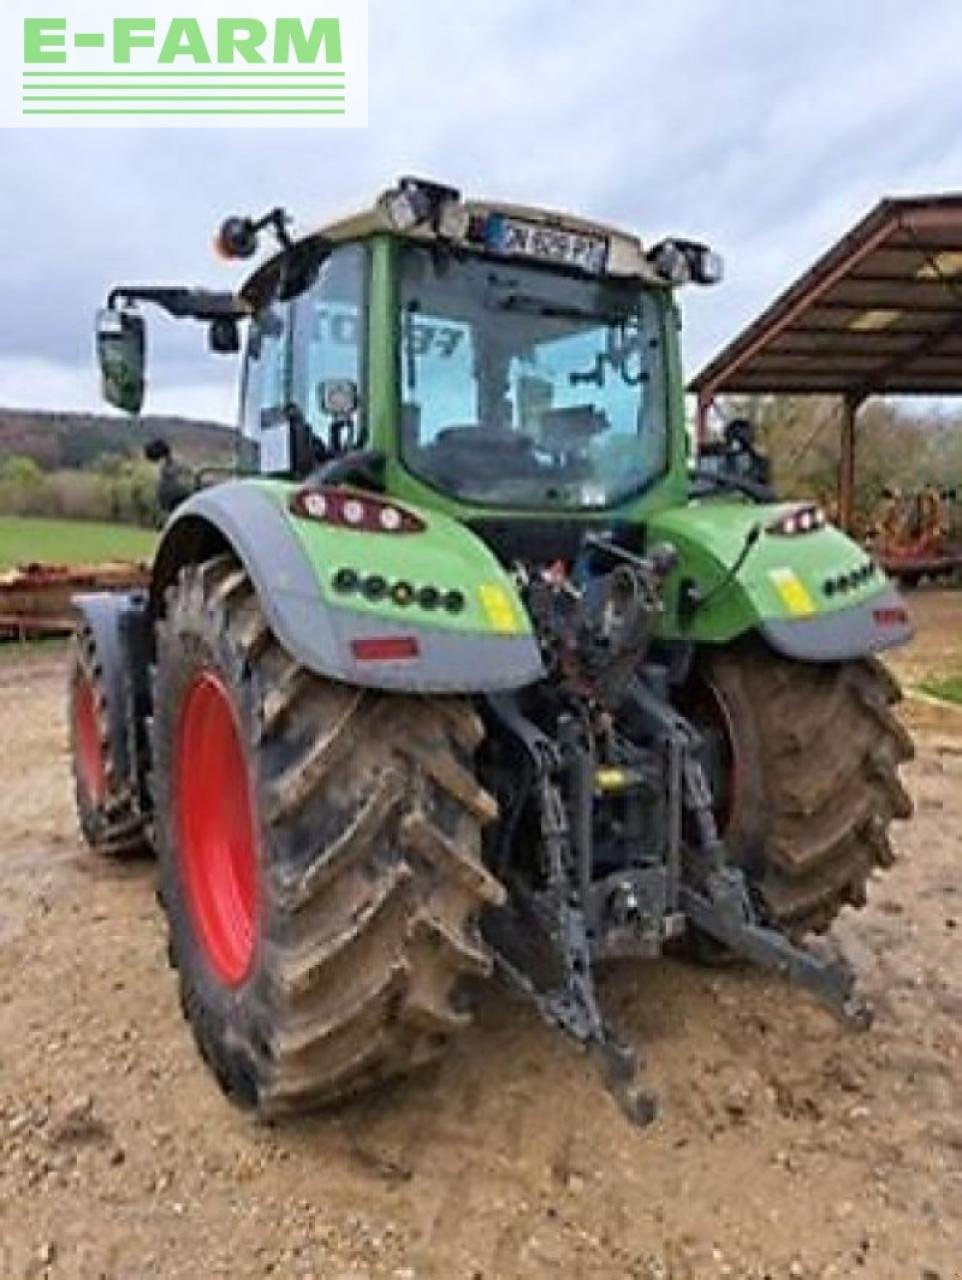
x=846, y=462
x=701, y=417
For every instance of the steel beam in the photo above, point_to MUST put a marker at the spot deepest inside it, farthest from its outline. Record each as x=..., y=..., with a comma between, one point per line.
x=846, y=461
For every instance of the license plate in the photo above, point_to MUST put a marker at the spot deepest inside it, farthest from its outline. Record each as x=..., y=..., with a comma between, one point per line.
x=516, y=238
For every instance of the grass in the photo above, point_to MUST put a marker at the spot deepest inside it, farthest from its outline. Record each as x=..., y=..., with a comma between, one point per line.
x=948, y=688
x=45, y=647
x=25, y=540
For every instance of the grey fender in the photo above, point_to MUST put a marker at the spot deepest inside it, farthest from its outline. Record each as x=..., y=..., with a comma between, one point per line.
x=118, y=622
x=872, y=626
x=238, y=516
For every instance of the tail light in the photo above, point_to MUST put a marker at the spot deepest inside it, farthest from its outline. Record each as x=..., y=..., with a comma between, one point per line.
x=801, y=520
x=892, y=616
x=347, y=510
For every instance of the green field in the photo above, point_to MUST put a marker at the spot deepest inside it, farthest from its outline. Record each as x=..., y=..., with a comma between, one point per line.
x=26, y=541
x=948, y=688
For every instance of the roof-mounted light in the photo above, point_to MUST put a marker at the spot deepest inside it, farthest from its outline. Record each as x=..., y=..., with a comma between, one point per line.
x=681, y=261
x=417, y=200
x=454, y=221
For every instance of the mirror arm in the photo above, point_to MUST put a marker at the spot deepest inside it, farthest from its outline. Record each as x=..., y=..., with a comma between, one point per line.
x=182, y=303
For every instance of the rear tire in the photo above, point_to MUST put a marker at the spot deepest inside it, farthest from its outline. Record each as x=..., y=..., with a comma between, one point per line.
x=108, y=807
x=366, y=836
x=811, y=756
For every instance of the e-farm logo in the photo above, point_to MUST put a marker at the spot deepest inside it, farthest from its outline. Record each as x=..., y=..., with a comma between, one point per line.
x=106, y=64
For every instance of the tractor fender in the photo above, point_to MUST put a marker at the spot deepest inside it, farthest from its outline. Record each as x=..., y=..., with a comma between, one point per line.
x=817, y=597
x=879, y=623
x=291, y=562
x=119, y=624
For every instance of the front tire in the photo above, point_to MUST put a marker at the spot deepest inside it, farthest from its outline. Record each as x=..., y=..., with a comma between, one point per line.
x=806, y=766
x=320, y=856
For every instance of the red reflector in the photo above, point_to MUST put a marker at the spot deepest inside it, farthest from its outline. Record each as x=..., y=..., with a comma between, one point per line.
x=385, y=648
x=890, y=617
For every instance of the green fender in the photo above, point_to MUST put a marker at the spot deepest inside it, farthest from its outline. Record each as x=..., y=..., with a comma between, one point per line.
x=815, y=596
x=390, y=642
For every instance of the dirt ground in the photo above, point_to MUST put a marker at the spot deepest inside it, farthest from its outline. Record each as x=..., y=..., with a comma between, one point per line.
x=786, y=1148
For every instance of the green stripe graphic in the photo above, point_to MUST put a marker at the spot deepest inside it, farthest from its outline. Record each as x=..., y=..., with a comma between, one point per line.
x=200, y=111
x=173, y=91
x=181, y=97
x=215, y=92
x=246, y=74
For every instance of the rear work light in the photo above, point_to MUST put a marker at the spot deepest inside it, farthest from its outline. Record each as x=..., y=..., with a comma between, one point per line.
x=347, y=510
x=801, y=520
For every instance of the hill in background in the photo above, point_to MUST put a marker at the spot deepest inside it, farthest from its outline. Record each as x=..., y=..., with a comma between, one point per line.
x=74, y=441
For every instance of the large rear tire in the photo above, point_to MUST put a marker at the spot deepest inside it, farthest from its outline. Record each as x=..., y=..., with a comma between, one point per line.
x=806, y=776
x=320, y=856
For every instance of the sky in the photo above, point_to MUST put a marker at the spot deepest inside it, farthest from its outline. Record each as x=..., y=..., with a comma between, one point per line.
x=766, y=127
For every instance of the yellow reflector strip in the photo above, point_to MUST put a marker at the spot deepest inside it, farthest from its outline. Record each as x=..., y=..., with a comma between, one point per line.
x=497, y=607
x=946, y=263
x=868, y=321
x=793, y=592
x=610, y=779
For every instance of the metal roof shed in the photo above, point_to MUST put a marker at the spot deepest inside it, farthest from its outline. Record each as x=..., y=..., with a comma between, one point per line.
x=879, y=313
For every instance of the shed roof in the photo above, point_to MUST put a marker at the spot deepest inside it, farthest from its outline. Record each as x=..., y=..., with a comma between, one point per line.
x=880, y=311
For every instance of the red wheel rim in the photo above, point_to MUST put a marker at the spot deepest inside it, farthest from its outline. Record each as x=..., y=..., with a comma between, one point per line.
x=216, y=828
x=88, y=751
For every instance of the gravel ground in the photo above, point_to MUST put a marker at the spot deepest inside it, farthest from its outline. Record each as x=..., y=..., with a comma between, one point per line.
x=786, y=1146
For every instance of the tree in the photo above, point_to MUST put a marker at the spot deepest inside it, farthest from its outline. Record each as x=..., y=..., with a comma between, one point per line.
x=22, y=486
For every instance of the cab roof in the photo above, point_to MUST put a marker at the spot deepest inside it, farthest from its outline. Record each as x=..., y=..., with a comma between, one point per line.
x=626, y=254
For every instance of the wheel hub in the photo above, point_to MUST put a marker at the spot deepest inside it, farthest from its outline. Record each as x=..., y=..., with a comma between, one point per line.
x=217, y=829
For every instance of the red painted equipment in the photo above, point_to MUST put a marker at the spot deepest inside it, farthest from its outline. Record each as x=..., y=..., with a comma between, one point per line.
x=35, y=599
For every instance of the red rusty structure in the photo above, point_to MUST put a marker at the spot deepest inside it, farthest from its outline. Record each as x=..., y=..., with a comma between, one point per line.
x=880, y=313
x=36, y=599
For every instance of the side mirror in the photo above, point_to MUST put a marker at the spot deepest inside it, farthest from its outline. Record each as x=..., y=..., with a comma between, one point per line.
x=740, y=433
x=122, y=356
x=337, y=398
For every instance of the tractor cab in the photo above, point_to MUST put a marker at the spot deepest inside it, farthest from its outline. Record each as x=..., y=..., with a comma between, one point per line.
x=482, y=357
x=491, y=357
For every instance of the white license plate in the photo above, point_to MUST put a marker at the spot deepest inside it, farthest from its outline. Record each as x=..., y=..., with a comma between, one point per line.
x=518, y=239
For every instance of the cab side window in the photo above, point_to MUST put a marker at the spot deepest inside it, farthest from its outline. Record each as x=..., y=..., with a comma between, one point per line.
x=267, y=392
x=329, y=332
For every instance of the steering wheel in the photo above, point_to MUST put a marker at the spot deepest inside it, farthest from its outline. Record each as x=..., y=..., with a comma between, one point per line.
x=484, y=438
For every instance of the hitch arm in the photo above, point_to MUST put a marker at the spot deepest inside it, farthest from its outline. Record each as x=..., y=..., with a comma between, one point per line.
x=723, y=912
x=719, y=904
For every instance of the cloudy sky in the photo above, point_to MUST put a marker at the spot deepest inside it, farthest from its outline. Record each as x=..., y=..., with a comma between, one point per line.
x=764, y=126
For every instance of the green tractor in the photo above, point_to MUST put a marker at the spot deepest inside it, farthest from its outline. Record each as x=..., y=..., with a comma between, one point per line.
x=470, y=666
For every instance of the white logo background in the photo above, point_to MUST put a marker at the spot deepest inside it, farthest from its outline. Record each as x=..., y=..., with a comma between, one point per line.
x=91, y=90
